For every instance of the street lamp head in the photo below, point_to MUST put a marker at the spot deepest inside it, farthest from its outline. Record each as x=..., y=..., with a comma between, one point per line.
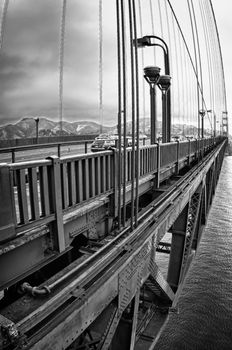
x=202, y=112
x=164, y=82
x=152, y=74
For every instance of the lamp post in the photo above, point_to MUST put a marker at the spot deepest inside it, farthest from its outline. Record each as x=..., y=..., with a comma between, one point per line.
x=151, y=40
x=152, y=75
x=202, y=114
x=214, y=121
x=224, y=125
x=37, y=129
x=164, y=85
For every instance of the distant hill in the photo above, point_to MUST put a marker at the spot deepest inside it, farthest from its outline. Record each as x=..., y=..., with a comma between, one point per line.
x=26, y=128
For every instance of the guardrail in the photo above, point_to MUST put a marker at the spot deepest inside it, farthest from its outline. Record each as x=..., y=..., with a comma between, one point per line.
x=57, y=145
x=38, y=192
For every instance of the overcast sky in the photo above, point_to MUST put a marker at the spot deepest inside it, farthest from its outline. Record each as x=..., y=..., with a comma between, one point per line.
x=29, y=61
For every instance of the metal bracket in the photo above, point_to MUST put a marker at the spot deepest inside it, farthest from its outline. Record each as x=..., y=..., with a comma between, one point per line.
x=9, y=331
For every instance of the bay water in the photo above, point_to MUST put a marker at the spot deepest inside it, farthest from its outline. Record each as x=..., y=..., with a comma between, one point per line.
x=204, y=317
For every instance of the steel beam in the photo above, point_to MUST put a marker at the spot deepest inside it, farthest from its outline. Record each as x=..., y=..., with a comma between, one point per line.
x=178, y=230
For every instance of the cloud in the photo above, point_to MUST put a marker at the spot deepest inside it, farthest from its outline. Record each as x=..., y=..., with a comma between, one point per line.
x=29, y=70
x=29, y=63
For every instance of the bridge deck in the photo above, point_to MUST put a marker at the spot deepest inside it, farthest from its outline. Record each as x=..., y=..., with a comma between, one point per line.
x=64, y=202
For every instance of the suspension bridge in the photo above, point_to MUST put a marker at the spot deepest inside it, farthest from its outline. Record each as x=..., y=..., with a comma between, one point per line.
x=81, y=234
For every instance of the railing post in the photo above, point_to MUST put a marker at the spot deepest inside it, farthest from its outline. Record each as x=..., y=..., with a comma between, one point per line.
x=189, y=152
x=197, y=151
x=158, y=165
x=86, y=147
x=177, y=157
x=13, y=156
x=58, y=150
x=57, y=226
x=114, y=180
x=7, y=209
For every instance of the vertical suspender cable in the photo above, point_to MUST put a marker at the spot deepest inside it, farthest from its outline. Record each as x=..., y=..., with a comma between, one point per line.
x=196, y=63
x=119, y=112
x=209, y=55
x=183, y=84
x=177, y=68
x=200, y=65
x=170, y=90
x=132, y=113
x=137, y=167
x=3, y=22
x=61, y=63
x=216, y=56
x=209, y=58
x=222, y=72
x=142, y=59
x=100, y=39
x=187, y=48
x=169, y=33
x=220, y=52
x=187, y=87
x=124, y=74
x=152, y=27
x=161, y=22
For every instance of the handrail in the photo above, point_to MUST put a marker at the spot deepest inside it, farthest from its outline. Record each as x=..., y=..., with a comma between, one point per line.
x=35, y=190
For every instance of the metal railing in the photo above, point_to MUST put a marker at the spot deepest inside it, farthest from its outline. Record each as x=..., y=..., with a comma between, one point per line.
x=57, y=145
x=37, y=192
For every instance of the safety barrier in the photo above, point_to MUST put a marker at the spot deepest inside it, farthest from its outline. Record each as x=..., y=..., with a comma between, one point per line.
x=37, y=192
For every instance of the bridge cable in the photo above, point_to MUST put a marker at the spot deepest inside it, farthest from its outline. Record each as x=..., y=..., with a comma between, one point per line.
x=61, y=63
x=182, y=80
x=177, y=70
x=124, y=76
x=161, y=21
x=142, y=60
x=209, y=54
x=224, y=102
x=209, y=58
x=137, y=168
x=219, y=72
x=153, y=28
x=209, y=61
x=188, y=88
x=200, y=65
x=100, y=42
x=196, y=61
x=132, y=63
x=188, y=51
x=220, y=53
x=170, y=52
x=215, y=60
x=3, y=22
x=118, y=19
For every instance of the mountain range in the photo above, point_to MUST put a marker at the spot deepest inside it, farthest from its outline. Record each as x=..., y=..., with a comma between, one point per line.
x=26, y=128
